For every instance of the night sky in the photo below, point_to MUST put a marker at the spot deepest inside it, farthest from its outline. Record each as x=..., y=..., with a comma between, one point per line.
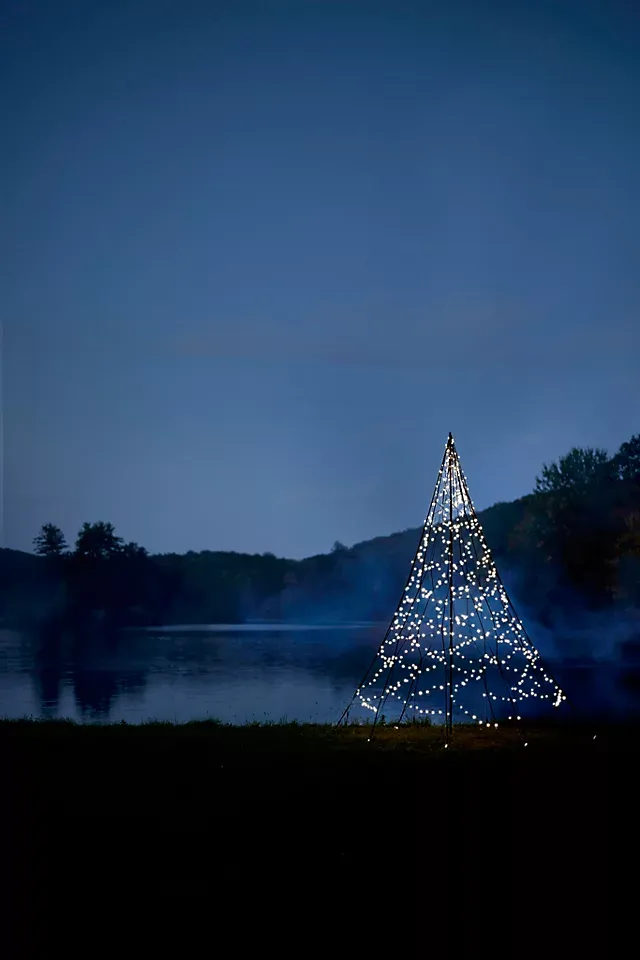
x=258, y=260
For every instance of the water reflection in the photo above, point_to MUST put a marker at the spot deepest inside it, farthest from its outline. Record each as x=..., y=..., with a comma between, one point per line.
x=234, y=674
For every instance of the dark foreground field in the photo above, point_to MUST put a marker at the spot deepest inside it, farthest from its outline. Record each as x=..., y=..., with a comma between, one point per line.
x=287, y=840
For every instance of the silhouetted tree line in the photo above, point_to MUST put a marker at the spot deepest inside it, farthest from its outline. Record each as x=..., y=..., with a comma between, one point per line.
x=105, y=580
x=575, y=540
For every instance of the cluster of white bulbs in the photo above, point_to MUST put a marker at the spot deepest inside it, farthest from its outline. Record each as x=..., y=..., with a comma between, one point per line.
x=455, y=632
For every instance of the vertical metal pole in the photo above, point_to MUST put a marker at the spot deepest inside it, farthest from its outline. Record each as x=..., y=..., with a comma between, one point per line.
x=449, y=710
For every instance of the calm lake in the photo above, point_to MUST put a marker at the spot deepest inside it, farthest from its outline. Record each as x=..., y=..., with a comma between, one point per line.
x=236, y=674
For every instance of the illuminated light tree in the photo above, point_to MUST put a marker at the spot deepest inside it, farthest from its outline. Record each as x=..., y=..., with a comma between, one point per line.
x=455, y=650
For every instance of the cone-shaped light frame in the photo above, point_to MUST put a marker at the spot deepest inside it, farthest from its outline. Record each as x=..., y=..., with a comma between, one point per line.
x=455, y=650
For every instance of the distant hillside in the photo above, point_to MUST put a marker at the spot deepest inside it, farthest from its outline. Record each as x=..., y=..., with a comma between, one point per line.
x=365, y=581
x=567, y=551
x=362, y=582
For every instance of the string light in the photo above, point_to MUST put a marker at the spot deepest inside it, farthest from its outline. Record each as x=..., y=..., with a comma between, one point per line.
x=455, y=649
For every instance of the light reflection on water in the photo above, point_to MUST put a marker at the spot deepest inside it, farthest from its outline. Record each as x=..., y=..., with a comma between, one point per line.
x=235, y=674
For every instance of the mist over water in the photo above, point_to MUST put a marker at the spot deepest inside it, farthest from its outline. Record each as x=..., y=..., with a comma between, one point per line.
x=236, y=674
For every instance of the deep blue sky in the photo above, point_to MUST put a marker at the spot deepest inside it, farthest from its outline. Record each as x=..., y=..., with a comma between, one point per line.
x=258, y=260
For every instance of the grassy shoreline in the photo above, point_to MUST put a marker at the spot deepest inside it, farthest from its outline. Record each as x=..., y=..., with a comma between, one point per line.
x=199, y=752
x=250, y=829
x=355, y=732
x=325, y=743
